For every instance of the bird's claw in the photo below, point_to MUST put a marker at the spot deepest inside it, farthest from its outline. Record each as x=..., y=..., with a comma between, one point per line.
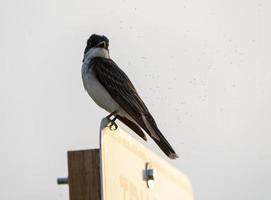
x=113, y=126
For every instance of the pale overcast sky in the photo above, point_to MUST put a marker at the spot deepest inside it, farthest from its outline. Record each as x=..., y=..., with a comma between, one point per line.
x=202, y=67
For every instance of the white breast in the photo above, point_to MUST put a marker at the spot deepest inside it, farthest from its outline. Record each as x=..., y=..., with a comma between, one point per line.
x=96, y=52
x=94, y=88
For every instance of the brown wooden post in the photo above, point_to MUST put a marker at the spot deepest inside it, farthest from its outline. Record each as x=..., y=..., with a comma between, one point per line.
x=84, y=174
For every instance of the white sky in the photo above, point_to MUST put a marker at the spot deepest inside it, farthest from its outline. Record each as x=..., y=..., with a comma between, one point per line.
x=202, y=67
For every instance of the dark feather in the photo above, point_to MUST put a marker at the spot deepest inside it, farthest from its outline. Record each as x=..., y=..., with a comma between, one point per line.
x=133, y=126
x=116, y=82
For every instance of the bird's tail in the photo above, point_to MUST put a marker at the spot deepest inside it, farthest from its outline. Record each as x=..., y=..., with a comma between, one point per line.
x=158, y=137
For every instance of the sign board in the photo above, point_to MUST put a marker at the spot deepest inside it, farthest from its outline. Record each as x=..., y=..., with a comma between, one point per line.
x=126, y=164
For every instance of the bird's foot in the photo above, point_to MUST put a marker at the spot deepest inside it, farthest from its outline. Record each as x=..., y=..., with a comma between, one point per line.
x=112, y=124
x=110, y=115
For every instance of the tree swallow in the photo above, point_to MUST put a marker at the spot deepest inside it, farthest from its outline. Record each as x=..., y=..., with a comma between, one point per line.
x=112, y=90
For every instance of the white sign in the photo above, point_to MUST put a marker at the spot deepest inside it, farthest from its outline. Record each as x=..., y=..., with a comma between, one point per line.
x=127, y=165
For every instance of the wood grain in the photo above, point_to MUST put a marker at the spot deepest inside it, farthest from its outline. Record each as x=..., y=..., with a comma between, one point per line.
x=84, y=174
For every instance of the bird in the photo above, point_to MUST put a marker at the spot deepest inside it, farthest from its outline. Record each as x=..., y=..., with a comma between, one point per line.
x=112, y=90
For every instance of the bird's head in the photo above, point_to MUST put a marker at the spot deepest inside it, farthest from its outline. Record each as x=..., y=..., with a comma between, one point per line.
x=97, y=41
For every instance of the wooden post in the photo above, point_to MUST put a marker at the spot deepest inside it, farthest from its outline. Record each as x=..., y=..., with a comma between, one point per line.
x=84, y=174
x=123, y=169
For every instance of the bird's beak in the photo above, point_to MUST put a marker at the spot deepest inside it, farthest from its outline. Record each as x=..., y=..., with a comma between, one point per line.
x=101, y=44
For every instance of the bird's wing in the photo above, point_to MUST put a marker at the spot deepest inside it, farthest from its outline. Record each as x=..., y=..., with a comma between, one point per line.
x=117, y=83
x=133, y=126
